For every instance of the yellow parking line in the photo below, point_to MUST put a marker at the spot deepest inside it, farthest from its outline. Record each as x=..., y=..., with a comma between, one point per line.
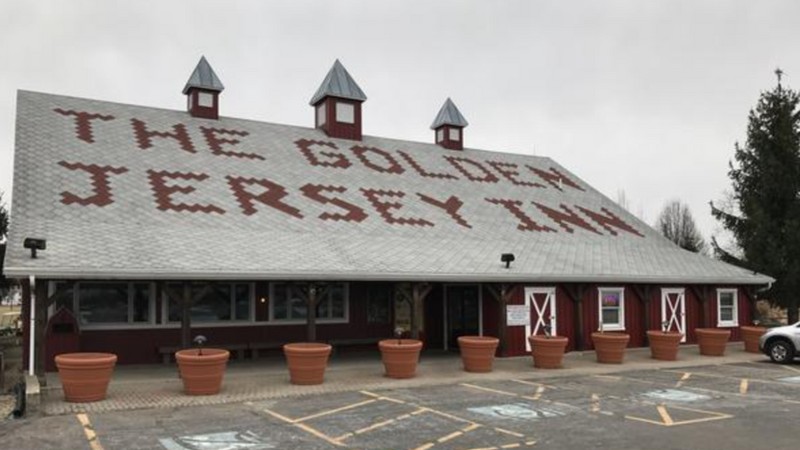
x=743, y=386
x=665, y=417
x=512, y=433
x=790, y=368
x=538, y=394
x=333, y=411
x=685, y=377
x=88, y=430
x=305, y=428
x=450, y=436
x=510, y=446
x=494, y=391
x=595, y=403
x=381, y=397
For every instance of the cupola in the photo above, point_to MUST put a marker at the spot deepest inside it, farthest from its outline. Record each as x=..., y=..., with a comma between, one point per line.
x=449, y=127
x=337, y=104
x=202, y=91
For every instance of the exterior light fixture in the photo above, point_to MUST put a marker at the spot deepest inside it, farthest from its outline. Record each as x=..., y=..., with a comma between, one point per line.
x=34, y=244
x=507, y=258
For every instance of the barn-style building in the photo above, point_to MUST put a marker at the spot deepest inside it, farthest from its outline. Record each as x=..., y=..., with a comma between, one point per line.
x=154, y=225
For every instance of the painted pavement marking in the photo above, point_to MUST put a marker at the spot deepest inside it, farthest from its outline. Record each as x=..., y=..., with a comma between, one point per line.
x=536, y=396
x=793, y=369
x=306, y=428
x=519, y=411
x=88, y=430
x=336, y=410
x=743, y=386
x=668, y=421
x=228, y=440
x=794, y=380
x=684, y=378
x=595, y=403
x=729, y=377
x=675, y=395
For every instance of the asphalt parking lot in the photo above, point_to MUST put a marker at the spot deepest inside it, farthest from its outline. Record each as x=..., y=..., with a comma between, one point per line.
x=734, y=406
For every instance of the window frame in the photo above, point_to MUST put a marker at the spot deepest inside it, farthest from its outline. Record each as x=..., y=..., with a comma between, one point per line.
x=216, y=323
x=454, y=131
x=321, y=114
x=440, y=135
x=620, y=325
x=734, y=322
x=202, y=97
x=151, y=310
x=320, y=320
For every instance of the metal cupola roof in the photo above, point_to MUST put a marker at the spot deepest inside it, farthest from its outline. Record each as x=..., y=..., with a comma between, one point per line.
x=449, y=115
x=203, y=77
x=338, y=83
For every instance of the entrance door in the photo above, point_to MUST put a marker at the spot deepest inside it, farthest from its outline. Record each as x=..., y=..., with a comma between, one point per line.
x=542, y=302
x=673, y=310
x=462, y=306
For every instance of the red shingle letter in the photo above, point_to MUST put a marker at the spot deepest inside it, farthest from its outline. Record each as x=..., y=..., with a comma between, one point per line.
x=555, y=178
x=272, y=197
x=451, y=206
x=163, y=192
x=420, y=170
x=514, y=207
x=144, y=136
x=384, y=208
x=510, y=172
x=392, y=166
x=354, y=213
x=563, y=219
x=215, y=142
x=83, y=122
x=458, y=162
x=609, y=220
x=100, y=184
x=334, y=159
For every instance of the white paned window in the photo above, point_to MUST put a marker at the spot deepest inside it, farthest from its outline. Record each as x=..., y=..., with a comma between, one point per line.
x=611, y=307
x=321, y=114
x=440, y=135
x=223, y=302
x=189, y=100
x=108, y=303
x=288, y=303
x=205, y=99
x=345, y=113
x=727, y=308
x=455, y=134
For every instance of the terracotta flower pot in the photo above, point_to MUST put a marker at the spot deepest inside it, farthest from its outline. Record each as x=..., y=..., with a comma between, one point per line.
x=750, y=336
x=477, y=352
x=400, y=357
x=202, y=373
x=548, y=352
x=85, y=376
x=610, y=346
x=664, y=346
x=307, y=362
x=712, y=341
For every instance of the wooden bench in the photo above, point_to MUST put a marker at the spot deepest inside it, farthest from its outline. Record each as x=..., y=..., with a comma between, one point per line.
x=168, y=352
x=255, y=347
x=336, y=343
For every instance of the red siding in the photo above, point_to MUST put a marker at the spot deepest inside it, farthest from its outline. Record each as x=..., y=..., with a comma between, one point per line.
x=515, y=336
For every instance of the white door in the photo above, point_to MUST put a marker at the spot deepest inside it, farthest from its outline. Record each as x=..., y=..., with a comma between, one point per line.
x=673, y=310
x=542, y=302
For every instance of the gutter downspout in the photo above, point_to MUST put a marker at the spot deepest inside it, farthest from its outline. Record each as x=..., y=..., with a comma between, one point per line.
x=32, y=328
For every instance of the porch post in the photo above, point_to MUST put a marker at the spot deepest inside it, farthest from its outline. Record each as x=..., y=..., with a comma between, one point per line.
x=32, y=325
x=502, y=296
x=576, y=293
x=702, y=295
x=418, y=293
x=311, y=314
x=645, y=294
x=186, y=316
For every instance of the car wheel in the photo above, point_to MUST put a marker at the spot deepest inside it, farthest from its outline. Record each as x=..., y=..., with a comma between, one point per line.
x=781, y=352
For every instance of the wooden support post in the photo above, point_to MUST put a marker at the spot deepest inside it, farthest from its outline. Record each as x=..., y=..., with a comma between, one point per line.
x=702, y=294
x=752, y=299
x=311, y=314
x=502, y=296
x=40, y=337
x=186, y=316
x=419, y=292
x=645, y=295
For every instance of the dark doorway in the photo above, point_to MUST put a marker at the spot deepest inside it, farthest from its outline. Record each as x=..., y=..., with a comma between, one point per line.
x=463, y=313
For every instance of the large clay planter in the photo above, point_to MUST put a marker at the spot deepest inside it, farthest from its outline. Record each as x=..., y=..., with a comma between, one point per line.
x=548, y=352
x=712, y=341
x=477, y=352
x=610, y=347
x=750, y=336
x=85, y=376
x=202, y=369
x=400, y=357
x=664, y=345
x=307, y=362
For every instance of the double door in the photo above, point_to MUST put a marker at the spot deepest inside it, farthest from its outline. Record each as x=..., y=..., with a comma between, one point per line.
x=462, y=313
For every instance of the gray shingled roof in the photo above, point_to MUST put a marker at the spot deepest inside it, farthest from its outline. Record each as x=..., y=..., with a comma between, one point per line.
x=338, y=83
x=204, y=77
x=303, y=235
x=449, y=115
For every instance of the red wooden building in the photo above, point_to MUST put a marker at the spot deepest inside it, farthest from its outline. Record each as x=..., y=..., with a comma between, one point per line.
x=162, y=224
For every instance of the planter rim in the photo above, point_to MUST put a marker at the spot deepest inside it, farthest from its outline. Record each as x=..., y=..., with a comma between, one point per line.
x=404, y=343
x=209, y=354
x=93, y=357
x=306, y=347
x=610, y=335
x=661, y=333
x=753, y=327
x=539, y=337
x=478, y=339
x=712, y=330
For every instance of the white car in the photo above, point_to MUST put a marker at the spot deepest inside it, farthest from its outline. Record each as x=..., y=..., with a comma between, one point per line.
x=781, y=344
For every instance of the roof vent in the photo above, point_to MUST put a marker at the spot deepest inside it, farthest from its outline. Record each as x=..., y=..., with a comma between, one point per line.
x=449, y=127
x=202, y=91
x=337, y=104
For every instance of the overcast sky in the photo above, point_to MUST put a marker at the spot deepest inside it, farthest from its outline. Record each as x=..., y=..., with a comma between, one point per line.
x=645, y=97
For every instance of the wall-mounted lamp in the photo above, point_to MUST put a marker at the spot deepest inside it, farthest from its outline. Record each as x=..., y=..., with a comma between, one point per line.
x=34, y=244
x=263, y=299
x=507, y=258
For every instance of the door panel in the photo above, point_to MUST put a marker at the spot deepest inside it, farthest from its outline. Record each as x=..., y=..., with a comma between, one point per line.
x=542, y=303
x=463, y=313
x=673, y=310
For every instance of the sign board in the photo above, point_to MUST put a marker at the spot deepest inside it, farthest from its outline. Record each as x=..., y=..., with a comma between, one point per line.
x=518, y=315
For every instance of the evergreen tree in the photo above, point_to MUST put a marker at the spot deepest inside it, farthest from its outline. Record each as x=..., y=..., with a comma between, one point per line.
x=765, y=218
x=3, y=218
x=677, y=224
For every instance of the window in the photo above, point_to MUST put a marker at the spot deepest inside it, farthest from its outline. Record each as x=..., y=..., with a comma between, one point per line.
x=288, y=303
x=611, y=304
x=107, y=303
x=345, y=113
x=455, y=134
x=222, y=302
x=321, y=114
x=440, y=135
x=727, y=308
x=205, y=99
x=379, y=303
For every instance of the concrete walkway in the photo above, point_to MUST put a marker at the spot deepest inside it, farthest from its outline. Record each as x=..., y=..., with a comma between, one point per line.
x=154, y=386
